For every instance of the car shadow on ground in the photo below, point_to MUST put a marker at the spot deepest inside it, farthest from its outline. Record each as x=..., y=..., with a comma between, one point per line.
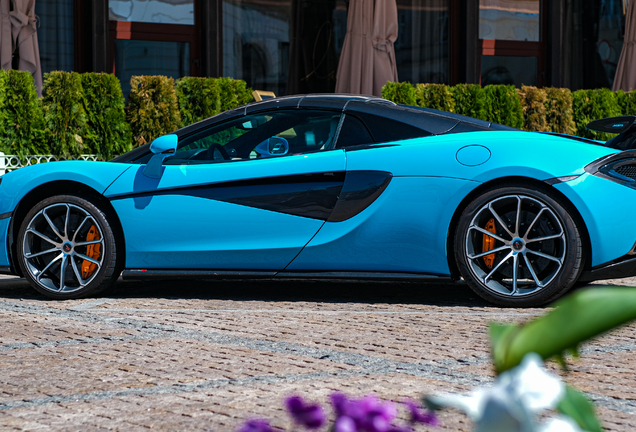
x=322, y=291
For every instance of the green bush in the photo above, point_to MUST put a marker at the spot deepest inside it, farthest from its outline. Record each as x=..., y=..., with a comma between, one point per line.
x=21, y=121
x=470, y=100
x=626, y=102
x=152, y=108
x=591, y=105
x=559, y=112
x=436, y=96
x=199, y=98
x=400, y=93
x=533, y=102
x=108, y=134
x=503, y=105
x=64, y=115
x=233, y=93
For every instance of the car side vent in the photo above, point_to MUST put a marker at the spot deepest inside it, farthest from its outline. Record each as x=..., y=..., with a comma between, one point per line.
x=627, y=171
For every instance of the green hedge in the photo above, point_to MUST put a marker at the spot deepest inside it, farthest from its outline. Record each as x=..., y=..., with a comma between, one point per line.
x=548, y=109
x=591, y=105
x=152, y=108
x=64, y=115
x=107, y=133
x=21, y=120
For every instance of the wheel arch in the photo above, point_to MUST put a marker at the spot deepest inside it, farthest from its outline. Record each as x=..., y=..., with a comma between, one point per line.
x=61, y=187
x=520, y=181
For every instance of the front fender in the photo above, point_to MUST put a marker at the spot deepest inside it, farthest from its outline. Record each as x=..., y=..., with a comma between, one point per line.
x=96, y=175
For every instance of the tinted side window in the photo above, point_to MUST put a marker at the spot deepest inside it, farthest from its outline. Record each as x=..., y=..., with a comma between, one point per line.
x=293, y=131
x=353, y=132
x=384, y=130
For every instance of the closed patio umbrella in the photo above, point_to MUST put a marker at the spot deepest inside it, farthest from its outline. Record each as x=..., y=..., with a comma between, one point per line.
x=367, y=60
x=625, y=78
x=25, y=37
x=6, y=44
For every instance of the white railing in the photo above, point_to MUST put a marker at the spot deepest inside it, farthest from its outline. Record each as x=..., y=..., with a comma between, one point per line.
x=13, y=162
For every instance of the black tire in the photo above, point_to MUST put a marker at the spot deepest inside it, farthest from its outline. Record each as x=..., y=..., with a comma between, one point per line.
x=54, y=234
x=543, y=244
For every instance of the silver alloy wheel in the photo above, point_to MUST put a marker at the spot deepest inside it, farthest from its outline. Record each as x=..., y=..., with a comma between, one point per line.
x=529, y=245
x=55, y=248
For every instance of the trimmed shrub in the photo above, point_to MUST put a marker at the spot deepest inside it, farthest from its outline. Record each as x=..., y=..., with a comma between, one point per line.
x=108, y=134
x=436, y=96
x=533, y=102
x=470, y=100
x=503, y=105
x=626, y=102
x=400, y=93
x=21, y=119
x=591, y=105
x=233, y=93
x=199, y=98
x=559, y=112
x=64, y=116
x=152, y=108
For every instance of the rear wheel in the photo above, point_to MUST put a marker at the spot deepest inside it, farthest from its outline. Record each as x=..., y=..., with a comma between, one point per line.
x=516, y=246
x=66, y=248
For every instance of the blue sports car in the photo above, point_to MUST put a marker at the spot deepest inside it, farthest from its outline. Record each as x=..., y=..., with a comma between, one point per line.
x=333, y=186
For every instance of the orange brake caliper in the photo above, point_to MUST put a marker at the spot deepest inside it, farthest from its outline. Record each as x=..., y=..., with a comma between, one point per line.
x=92, y=251
x=488, y=243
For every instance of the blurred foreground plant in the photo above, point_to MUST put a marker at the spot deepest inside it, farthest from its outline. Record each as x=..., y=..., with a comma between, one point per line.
x=523, y=388
x=368, y=414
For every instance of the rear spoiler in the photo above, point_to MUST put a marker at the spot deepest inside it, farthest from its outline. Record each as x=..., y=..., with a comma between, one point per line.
x=623, y=126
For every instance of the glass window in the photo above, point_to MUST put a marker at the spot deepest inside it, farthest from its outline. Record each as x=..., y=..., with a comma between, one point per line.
x=509, y=70
x=55, y=34
x=138, y=57
x=256, y=43
x=152, y=11
x=258, y=136
x=509, y=20
x=422, y=49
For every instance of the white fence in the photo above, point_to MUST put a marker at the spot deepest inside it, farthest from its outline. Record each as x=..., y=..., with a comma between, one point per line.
x=13, y=162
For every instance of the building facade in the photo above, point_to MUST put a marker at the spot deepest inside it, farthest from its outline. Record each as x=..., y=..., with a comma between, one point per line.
x=293, y=46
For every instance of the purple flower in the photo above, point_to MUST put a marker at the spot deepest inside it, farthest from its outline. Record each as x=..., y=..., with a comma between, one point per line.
x=367, y=414
x=418, y=416
x=309, y=415
x=345, y=424
x=256, y=425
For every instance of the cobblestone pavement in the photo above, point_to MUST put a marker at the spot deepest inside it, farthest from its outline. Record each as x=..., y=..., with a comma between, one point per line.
x=208, y=355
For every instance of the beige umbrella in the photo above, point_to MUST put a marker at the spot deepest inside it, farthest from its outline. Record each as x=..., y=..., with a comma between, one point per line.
x=625, y=78
x=367, y=60
x=6, y=44
x=25, y=38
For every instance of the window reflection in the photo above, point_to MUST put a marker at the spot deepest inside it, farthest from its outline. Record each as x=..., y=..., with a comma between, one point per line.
x=509, y=70
x=256, y=42
x=509, y=20
x=152, y=11
x=55, y=34
x=421, y=49
x=136, y=57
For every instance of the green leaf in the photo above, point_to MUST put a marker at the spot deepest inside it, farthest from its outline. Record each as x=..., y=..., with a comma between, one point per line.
x=576, y=318
x=577, y=406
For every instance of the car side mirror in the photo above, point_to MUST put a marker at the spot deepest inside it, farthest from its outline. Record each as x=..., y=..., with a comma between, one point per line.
x=274, y=146
x=162, y=147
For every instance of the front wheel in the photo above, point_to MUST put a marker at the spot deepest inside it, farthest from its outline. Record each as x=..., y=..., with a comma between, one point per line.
x=518, y=247
x=66, y=248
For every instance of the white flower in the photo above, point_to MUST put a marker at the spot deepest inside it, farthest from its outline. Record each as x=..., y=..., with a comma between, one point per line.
x=511, y=404
x=561, y=424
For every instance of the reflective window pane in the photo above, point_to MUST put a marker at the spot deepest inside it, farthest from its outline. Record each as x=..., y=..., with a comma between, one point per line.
x=135, y=57
x=509, y=70
x=256, y=43
x=421, y=49
x=152, y=11
x=509, y=20
x=55, y=34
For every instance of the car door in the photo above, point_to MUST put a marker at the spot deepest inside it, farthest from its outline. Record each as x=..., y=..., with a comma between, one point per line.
x=226, y=202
